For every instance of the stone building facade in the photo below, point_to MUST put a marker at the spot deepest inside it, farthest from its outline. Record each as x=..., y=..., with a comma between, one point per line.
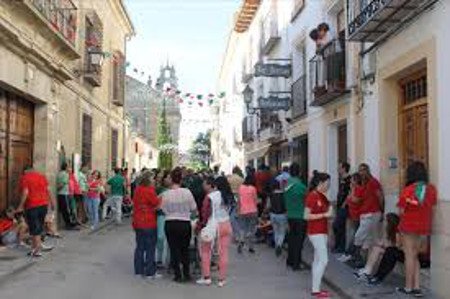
x=62, y=66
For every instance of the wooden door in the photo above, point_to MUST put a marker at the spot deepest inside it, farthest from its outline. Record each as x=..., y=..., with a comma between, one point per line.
x=414, y=121
x=3, y=152
x=16, y=144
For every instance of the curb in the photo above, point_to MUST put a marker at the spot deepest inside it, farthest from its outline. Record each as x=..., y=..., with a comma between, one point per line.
x=101, y=227
x=22, y=268
x=333, y=286
x=30, y=263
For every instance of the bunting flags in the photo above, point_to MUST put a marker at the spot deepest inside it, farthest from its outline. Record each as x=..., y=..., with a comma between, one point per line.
x=193, y=99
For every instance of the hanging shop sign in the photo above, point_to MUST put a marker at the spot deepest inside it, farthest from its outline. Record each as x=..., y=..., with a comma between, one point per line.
x=273, y=70
x=274, y=103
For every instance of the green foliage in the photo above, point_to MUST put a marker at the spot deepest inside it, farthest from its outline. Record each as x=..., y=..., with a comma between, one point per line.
x=164, y=140
x=200, y=152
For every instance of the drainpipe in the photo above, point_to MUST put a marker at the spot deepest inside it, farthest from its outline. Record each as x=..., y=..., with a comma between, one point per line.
x=124, y=110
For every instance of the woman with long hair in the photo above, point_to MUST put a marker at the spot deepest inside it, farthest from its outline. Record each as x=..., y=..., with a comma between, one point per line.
x=92, y=202
x=145, y=202
x=248, y=213
x=317, y=212
x=179, y=207
x=215, y=217
x=415, y=205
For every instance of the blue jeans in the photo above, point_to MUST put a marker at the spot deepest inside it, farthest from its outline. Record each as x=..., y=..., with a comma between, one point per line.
x=234, y=222
x=247, y=229
x=279, y=224
x=162, y=248
x=144, y=254
x=92, y=208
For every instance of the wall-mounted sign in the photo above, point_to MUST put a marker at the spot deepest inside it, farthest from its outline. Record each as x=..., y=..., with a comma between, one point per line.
x=274, y=103
x=273, y=70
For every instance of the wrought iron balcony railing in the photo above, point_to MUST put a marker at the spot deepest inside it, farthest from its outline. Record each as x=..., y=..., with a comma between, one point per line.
x=328, y=73
x=299, y=97
x=381, y=18
x=60, y=14
x=271, y=132
x=247, y=130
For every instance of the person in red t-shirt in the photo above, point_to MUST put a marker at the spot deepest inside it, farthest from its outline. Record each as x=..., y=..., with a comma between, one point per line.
x=372, y=205
x=262, y=179
x=317, y=212
x=416, y=204
x=353, y=206
x=145, y=202
x=35, y=200
x=12, y=230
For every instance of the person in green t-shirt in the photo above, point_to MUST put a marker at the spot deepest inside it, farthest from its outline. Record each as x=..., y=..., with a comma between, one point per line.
x=64, y=198
x=294, y=195
x=117, y=187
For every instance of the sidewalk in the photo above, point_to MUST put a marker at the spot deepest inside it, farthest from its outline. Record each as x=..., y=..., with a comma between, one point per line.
x=15, y=260
x=340, y=278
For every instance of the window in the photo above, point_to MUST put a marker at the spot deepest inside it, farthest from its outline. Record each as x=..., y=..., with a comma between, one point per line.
x=298, y=88
x=114, y=147
x=93, y=49
x=118, y=87
x=86, y=147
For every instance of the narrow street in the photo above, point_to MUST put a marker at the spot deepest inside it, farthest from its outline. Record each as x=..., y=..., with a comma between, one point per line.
x=100, y=266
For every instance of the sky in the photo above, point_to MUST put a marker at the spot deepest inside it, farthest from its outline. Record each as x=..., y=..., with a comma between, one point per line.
x=192, y=35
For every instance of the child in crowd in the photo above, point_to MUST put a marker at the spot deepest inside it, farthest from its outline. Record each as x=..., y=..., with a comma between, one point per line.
x=13, y=229
x=384, y=254
x=264, y=231
x=353, y=205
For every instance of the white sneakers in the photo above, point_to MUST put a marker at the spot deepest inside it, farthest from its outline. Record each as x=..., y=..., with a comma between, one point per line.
x=204, y=281
x=208, y=282
x=344, y=258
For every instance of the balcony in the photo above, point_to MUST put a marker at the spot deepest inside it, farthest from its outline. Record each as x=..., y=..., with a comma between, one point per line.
x=270, y=32
x=299, y=98
x=93, y=57
x=271, y=133
x=328, y=75
x=247, y=130
x=379, y=19
x=61, y=17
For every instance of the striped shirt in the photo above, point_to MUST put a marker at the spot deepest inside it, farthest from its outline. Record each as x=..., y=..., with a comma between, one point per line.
x=178, y=204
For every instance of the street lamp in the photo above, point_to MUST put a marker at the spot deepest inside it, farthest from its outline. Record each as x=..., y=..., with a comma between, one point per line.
x=96, y=57
x=248, y=95
x=248, y=99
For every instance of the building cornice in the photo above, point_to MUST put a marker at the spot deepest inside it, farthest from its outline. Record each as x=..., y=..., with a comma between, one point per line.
x=246, y=14
x=119, y=7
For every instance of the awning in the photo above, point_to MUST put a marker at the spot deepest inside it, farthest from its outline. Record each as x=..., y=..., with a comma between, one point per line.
x=257, y=153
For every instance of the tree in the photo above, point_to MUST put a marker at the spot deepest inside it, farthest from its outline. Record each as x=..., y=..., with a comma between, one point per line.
x=200, y=153
x=164, y=140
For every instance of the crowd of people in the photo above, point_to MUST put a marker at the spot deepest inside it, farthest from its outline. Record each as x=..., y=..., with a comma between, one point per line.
x=183, y=218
